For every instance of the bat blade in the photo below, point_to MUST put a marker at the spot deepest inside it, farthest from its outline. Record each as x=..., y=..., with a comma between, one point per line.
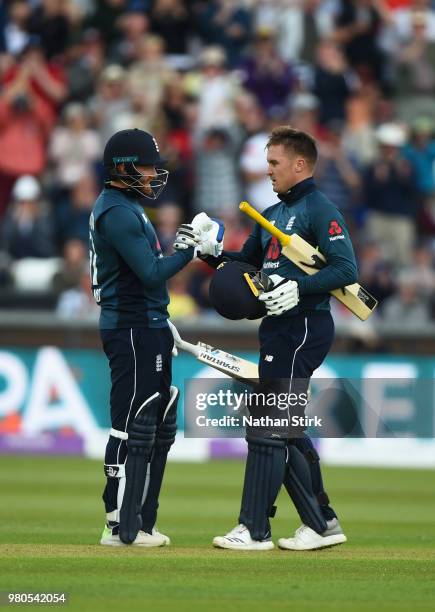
x=236, y=367
x=307, y=258
x=310, y=260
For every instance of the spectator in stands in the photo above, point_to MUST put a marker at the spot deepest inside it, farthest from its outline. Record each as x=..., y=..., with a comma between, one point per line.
x=133, y=26
x=73, y=213
x=421, y=270
x=426, y=219
x=226, y=23
x=84, y=60
x=404, y=19
x=25, y=123
x=174, y=103
x=111, y=101
x=337, y=173
x=75, y=260
x=217, y=180
x=359, y=138
x=49, y=21
x=44, y=80
x=415, y=69
x=28, y=229
x=266, y=75
x=170, y=19
x=77, y=302
x=420, y=152
x=300, y=24
x=216, y=89
x=74, y=147
x=253, y=162
x=105, y=19
x=304, y=114
x=408, y=306
x=149, y=75
x=333, y=82
x=357, y=26
x=375, y=273
x=389, y=194
x=16, y=33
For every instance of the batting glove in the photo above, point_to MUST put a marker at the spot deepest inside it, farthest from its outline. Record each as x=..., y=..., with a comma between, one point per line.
x=186, y=236
x=283, y=296
x=212, y=235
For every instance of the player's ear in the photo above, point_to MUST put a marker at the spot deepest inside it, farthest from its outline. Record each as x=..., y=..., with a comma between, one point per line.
x=300, y=165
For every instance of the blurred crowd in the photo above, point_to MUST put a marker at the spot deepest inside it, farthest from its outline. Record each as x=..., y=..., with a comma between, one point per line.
x=210, y=79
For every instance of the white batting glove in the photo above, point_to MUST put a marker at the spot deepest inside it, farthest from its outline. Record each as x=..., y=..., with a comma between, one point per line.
x=176, y=337
x=186, y=236
x=282, y=297
x=211, y=235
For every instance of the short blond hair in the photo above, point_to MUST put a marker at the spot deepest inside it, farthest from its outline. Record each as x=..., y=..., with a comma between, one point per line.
x=295, y=142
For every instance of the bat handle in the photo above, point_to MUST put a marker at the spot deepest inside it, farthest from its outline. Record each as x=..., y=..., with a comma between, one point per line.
x=194, y=349
x=254, y=214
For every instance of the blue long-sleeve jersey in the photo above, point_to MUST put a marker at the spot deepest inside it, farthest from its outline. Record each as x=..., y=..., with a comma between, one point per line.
x=306, y=212
x=128, y=270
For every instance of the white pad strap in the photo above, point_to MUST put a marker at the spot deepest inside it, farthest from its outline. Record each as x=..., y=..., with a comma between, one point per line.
x=117, y=470
x=173, y=396
x=116, y=433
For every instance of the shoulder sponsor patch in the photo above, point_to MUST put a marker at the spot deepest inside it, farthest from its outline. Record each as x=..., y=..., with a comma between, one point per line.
x=335, y=231
x=335, y=228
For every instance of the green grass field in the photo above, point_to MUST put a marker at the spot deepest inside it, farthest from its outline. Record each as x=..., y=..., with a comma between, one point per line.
x=51, y=518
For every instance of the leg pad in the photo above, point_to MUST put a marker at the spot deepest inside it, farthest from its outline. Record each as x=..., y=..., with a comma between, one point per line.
x=264, y=473
x=140, y=443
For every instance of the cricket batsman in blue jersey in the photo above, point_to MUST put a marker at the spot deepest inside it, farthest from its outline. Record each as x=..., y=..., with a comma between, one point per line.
x=129, y=274
x=295, y=336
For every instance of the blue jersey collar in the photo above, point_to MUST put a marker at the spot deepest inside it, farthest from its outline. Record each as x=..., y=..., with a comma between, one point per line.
x=299, y=191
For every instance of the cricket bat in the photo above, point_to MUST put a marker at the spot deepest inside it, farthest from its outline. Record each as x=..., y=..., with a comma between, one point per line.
x=307, y=258
x=236, y=367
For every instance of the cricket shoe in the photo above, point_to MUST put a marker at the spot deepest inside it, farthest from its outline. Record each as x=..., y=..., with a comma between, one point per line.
x=239, y=538
x=306, y=538
x=150, y=540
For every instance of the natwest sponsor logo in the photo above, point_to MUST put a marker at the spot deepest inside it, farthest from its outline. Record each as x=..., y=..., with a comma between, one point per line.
x=335, y=231
x=274, y=249
x=335, y=228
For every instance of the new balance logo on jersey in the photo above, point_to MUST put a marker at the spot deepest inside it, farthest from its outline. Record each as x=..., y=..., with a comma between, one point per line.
x=290, y=223
x=159, y=363
x=268, y=358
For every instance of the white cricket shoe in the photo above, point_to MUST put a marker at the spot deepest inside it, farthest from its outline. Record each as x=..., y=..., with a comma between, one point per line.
x=239, y=538
x=306, y=538
x=142, y=539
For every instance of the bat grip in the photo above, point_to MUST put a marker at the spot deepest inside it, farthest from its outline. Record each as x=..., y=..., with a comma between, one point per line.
x=254, y=214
